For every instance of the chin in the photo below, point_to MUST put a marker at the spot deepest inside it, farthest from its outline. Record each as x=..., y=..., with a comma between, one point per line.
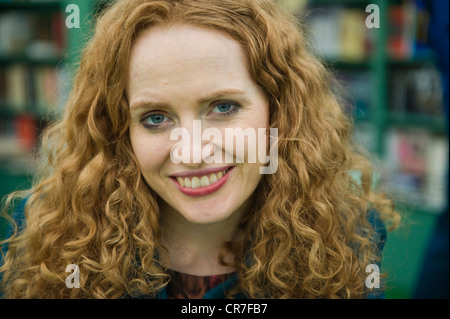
x=200, y=213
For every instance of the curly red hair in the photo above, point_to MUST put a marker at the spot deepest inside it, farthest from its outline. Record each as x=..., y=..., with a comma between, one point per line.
x=308, y=234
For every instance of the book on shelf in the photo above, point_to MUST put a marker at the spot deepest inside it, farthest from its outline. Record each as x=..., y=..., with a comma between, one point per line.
x=18, y=139
x=340, y=33
x=353, y=35
x=37, y=89
x=416, y=165
x=416, y=91
x=408, y=30
x=16, y=88
x=325, y=33
x=31, y=35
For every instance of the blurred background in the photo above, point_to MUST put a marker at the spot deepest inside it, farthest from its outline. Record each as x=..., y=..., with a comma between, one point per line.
x=391, y=61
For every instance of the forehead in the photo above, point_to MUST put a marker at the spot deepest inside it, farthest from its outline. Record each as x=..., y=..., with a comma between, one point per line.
x=183, y=54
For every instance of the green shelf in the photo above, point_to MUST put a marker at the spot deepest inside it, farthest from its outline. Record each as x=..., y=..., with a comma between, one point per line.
x=8, y=112
x=22, y=59
x=346, y=64
x=431, y=123
x=427, y=57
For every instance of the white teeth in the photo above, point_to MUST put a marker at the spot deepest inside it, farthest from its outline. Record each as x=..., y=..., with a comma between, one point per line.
x=204, y=181
x=195, y=182
x=200, y=181
x=212, y=178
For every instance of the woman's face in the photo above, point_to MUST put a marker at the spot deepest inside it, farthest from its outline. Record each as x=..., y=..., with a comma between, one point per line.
x=190, y=79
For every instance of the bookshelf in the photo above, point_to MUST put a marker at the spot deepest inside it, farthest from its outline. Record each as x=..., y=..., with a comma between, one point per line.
x=32, y=41
x=38, y=55
x=392, y=79
x=395, y=91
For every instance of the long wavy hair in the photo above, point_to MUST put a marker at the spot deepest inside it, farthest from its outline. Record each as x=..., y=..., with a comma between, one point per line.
x=307, y=235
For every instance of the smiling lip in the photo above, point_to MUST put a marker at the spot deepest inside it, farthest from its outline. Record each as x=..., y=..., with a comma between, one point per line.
x=220, y=174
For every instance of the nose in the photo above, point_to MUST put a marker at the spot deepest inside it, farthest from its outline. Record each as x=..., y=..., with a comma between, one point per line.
x=188, y=149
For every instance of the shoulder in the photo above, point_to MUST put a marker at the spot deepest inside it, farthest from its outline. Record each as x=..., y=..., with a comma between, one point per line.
x=19, y=216
x=379, y=227
x=379, y=239
x=18, y=219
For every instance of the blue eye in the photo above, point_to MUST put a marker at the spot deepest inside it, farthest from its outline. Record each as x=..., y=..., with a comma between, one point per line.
x=225, y=108
x=154, y=121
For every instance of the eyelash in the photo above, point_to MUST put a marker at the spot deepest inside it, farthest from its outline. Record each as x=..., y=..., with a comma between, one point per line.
x=221, y=115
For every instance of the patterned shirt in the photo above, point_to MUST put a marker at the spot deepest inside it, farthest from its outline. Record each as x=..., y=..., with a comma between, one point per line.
x=186, y=286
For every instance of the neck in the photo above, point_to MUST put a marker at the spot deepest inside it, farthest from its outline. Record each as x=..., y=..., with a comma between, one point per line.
x=194, y=248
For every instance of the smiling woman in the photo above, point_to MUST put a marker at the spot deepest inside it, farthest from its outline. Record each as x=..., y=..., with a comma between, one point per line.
x=112, y=201
x=181, y=68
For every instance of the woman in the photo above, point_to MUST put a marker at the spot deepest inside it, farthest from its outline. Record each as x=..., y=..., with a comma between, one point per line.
x=137, y=223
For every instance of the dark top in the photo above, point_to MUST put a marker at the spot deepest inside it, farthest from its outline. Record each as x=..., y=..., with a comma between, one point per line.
x=186, y=286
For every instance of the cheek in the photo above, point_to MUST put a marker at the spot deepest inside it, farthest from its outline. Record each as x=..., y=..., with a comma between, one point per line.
x=246, y=138
x=150, y=151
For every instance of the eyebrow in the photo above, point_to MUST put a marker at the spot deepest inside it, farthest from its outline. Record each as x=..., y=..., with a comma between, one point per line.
x=210, y=97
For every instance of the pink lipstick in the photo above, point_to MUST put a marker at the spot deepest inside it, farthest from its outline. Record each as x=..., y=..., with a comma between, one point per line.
x=202, y=183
